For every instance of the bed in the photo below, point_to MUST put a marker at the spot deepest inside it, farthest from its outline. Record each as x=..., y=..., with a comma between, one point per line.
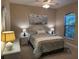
x=40, y=39
x=45, y=43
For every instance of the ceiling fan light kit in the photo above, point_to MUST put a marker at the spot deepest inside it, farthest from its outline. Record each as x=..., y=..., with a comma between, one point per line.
x=46, y=6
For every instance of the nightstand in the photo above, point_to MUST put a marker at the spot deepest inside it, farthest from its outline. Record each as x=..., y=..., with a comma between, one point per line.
x=24, y=40
x=14, y=53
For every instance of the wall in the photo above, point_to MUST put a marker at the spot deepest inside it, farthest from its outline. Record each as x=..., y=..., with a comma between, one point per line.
x=19, y=15
x=60, y=13
x=6, y=4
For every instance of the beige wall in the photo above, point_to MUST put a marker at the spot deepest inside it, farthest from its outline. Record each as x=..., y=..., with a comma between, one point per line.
x=19, y=15
x=60, y=13
x=6, y=4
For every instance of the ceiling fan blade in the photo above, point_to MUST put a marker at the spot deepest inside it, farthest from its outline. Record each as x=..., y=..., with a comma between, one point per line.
x=38, y=3
x=40, y=0
x=49, y=1
x=54, y=3
x=43, y=1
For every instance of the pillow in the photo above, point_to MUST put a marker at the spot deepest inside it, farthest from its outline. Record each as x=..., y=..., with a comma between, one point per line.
x=31, y=32
x=37, y=29
x=41, y=31
x=50, y=32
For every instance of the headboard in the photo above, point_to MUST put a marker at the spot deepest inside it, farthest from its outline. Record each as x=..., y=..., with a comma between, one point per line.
x=37, y=19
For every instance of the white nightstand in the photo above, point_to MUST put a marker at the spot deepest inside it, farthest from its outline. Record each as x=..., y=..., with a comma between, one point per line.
x=14, y=53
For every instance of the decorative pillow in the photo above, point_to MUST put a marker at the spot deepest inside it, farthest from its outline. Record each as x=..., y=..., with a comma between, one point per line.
x=37, y=29
x=41, y=31
x=31, y=31
x=50, y=32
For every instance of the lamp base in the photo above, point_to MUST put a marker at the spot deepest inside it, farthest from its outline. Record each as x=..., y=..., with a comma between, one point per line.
x=9, y=45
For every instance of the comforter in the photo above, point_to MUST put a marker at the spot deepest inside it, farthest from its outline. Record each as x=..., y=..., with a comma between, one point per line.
x=46, y=43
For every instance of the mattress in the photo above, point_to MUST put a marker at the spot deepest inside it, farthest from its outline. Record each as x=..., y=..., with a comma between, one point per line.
x=46, y=43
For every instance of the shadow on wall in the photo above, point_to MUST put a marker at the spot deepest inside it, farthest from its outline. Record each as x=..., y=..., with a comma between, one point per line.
x=17, y=31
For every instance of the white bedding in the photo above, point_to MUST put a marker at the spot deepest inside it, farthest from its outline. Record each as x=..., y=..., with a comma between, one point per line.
x=46, y=43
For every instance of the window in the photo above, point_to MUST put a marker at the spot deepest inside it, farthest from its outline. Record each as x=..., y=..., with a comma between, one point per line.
x=69, y=23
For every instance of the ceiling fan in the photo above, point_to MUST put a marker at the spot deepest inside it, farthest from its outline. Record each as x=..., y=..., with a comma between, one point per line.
x=47, y=3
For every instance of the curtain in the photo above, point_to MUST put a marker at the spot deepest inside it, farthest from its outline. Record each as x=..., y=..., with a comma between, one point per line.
x=3, y=18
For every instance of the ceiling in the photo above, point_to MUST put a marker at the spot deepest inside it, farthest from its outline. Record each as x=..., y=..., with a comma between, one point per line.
x=53, y=3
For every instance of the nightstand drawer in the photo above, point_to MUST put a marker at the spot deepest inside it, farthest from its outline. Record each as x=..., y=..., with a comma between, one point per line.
x=12, y=56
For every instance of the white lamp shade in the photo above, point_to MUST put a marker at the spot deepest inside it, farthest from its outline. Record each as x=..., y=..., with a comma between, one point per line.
x=46, y=6
x=52, y=29
x=24, y=29
x=51, y=26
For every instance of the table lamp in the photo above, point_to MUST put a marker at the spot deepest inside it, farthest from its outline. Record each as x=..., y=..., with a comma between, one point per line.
x=8, y=36
x=24, y=33
x=51, y=31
